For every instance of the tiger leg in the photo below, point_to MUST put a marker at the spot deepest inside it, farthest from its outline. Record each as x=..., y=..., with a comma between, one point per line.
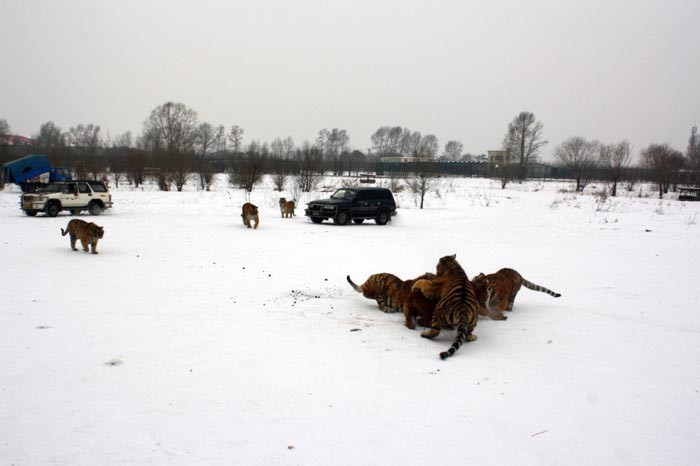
x=408, y=315
x=85, y=244
x=257, y=220
x=423, y=308
x=432, y=332
x=495, y=315
x=246, y=222
x=73, y=239
x=93, y=247
x=384, y=306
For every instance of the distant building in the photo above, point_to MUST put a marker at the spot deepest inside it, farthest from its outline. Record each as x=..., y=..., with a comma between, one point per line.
x=502, y=156
x=16, y=140
x=496, y=157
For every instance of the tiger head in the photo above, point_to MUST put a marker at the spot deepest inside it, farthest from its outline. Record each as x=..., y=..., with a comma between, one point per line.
x=283, y=201
x=484, y=290
x=97, y=230
x=446, y=263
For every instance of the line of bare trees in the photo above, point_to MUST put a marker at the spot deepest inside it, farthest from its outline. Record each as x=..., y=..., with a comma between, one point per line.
x=174, y=146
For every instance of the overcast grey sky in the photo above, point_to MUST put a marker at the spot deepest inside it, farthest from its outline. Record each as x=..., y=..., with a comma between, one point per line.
x=606, y=70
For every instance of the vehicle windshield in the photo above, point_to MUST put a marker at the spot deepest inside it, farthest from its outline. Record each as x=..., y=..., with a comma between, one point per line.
x=53, y=188
x=343, y=194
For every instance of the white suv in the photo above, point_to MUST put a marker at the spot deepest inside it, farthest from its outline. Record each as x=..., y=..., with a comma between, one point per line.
x=74, y=196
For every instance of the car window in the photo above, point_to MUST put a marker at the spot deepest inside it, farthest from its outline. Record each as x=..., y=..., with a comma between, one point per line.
x=364, y=195
x=83, y=187
x=54, y=188
x=98, y=187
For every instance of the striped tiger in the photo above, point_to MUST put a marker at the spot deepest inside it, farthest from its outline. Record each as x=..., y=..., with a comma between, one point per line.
x=456, y=303
x=250, y=214
x=88, y=233
x=496, y=292
x=287, y=208
x=393, y=295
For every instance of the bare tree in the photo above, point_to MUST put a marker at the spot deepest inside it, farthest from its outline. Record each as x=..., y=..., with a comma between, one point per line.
x=429, y=146
x=615, y=158
x=309, y=172
x=504, y=170
x=220, y=139
x=205, y=170
x=338, y=140
x=52, y=142
x=170, y=132
x=421, y=183
x=250, y=167
x=124, y=140
x=661, y=160
x=410, y=143
x=4, y=148
x=580, y=156
x=282, y=148
x=693, y=155
x=87, y=144
x=453, y=150
x=524, y=140
x=116, y=160
x=136, y=162
x=352, y=160
x=4, y=128
x=206, y=138
x=235, y=136
x=332, y=143
x=387, y=140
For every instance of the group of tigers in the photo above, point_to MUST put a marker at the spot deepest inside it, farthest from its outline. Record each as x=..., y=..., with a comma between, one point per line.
x=250, y=212
x=445, y=299
x=89, y=233
x=448, y=298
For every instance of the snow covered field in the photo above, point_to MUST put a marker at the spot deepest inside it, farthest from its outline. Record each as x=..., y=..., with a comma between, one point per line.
x=192, y=340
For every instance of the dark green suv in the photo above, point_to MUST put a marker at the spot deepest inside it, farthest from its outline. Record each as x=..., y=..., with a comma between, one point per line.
x=356, y=204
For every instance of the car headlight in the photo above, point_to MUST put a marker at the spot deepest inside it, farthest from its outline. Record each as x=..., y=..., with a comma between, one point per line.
x=328, y=207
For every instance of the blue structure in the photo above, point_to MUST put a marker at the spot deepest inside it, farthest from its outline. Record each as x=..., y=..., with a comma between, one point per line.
x=22, y=170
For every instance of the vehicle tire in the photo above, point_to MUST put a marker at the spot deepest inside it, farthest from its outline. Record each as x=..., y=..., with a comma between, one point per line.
x=358, y=221
x=52, y=209
x=316, y=219
x=94, y=208
x=75, y=211
x=382, y=217
x=30, y=213
x=341, y=218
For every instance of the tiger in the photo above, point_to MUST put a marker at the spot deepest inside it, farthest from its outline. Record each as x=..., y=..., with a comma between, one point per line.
x=287, y=208
x=88, y=233
x=250, y=212
x=394, y=295
x=496, y=292
x=456, y=303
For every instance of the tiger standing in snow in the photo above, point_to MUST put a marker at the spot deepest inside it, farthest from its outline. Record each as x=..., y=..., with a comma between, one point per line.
x=394, y=295
x=250, y=213
x=287, y=208
x=88, y=233
x=456, y=303
x=496, y=292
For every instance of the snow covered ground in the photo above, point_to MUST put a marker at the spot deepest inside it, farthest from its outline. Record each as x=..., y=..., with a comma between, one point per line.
x=192, y=340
